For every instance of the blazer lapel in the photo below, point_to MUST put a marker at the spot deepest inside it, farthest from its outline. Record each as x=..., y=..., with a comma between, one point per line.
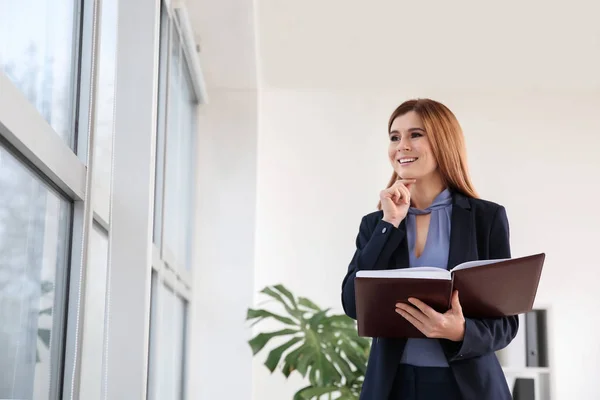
x=401, y=256
x=462, y=247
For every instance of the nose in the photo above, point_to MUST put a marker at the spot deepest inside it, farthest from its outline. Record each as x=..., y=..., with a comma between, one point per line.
x=403, y=144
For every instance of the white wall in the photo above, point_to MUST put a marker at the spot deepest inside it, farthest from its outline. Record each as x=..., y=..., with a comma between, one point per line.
x=224, y=267
x=220, y=357
x=322, y=161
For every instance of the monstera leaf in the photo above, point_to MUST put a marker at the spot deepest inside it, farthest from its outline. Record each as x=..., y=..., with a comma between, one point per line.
x=323, y=347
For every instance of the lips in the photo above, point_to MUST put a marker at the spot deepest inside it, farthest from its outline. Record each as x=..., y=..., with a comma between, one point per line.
x=407, y=160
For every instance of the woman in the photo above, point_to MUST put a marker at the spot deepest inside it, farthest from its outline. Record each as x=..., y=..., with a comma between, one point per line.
x=431, y=215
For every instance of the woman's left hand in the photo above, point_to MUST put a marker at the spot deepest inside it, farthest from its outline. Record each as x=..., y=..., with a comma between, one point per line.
x=449, y=325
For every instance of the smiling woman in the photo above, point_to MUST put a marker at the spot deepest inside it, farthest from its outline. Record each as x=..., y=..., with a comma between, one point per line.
x=430, y=215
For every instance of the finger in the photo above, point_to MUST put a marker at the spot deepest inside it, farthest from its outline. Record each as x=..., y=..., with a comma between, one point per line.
x=390, y=193
x=456, y=302
x=403, y=185
x=424, y=308
x=405, y=194
x=397, y=195
x=415, y=322
x=408, y=182
x=405, y=182
x=413, y=312
x=387, y=194
x=403, y=190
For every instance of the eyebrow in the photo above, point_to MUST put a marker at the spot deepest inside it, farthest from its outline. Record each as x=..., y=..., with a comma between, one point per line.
x=409, y=129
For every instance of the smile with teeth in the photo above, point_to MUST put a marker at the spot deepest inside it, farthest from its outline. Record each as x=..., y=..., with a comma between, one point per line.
x=405, y=161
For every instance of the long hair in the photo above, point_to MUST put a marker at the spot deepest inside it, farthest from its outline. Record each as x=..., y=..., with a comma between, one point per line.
x=447, y=143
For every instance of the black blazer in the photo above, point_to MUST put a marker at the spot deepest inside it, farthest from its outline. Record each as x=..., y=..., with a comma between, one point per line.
x=479, y=231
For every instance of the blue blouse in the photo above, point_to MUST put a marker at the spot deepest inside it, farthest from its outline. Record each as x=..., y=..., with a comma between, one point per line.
x=428, y=352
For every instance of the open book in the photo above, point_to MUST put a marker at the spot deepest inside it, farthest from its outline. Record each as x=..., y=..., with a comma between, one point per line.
x=487, y=289
x=424, y=272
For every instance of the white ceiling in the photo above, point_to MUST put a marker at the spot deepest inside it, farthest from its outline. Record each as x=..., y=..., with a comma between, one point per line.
x=389, y=44
x=225, y=32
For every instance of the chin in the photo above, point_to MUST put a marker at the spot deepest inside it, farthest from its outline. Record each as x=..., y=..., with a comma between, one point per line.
x=408, y=175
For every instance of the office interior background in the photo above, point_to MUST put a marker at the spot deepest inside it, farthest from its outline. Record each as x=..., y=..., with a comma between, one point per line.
x=161, y=162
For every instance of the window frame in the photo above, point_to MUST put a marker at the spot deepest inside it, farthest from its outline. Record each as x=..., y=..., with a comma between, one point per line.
x=165, y=268
x=163, y=260
x=68, y=167
x=23, y=127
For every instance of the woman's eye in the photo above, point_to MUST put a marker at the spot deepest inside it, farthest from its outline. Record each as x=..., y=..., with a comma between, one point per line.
x=416, y=134
x=394, y=138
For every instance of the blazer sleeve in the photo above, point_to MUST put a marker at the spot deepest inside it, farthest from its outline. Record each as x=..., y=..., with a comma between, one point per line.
x=374, y=248
x=487, y=335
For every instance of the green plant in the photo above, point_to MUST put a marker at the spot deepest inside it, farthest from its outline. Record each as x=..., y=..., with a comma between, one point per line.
x=324, y=347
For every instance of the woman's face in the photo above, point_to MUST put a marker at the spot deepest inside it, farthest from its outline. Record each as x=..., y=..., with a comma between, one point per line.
x=409, y=150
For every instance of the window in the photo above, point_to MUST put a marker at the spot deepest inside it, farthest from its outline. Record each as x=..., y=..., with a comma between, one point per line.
x=174, y=211
x=105, y=103
x=46, y=64
x=74, y=239
x=179, y=165
x=38, y=54
x=168, y=333
x=175, y=151
x=94, y=316
x=34, y=245
x=96, y=281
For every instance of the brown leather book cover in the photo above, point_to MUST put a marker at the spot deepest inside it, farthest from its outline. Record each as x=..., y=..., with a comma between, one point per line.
x=499, y=289
x=490, y=288
x=376, y=300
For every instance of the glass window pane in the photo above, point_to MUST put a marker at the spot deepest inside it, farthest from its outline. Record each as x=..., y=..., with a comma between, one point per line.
x=179, y=183
x=94, y=316
x=34, y=231
x=105, y=101
x=168, y=343
x=38, y=52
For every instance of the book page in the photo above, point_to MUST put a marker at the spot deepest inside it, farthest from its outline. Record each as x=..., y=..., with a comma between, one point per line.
x=407, y=273
x=477, y=263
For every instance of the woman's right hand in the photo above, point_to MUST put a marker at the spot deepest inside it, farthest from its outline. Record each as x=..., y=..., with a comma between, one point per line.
x=395, y=201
